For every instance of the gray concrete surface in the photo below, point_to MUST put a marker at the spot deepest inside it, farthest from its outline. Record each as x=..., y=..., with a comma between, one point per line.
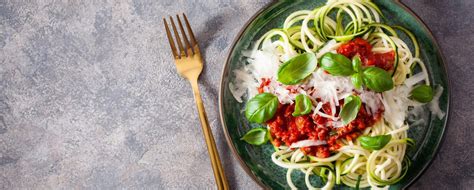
x=89, y=97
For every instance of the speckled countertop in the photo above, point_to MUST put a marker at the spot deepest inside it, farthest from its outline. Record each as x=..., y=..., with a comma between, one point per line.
x=89, y=97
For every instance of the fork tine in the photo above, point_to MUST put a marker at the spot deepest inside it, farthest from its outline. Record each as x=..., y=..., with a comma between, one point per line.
x=170, y=38
x=190, y=32
x=178, y=39
x=188, y=47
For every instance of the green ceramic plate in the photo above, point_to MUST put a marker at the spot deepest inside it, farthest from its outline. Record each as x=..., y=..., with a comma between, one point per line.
x=256, y=159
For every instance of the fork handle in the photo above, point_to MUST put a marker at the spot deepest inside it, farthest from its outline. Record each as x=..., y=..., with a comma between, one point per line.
x=219, y=174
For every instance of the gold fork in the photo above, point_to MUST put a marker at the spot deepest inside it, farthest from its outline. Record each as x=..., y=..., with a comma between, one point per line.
x=189, y=65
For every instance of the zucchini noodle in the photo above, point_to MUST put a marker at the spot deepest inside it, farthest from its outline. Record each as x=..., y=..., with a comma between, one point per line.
x=323, y=30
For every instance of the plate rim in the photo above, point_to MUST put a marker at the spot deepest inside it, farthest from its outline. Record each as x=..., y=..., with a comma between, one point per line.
x=239, y=36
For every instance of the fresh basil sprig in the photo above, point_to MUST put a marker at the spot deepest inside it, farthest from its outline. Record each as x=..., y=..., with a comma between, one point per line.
x=261, y=108
x=375, y=142
x=256, y=136
x=373, y=78
x=357, y=64
x=297, y=68
x=377, y=79
x=350, y=109
x=336, y=64
x=303, y=105
x=357, y=80
x=422, y=93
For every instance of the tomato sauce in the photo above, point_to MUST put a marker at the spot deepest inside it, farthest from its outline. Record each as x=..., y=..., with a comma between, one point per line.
x=361, y=47
x=265, y=82
x=286, y=129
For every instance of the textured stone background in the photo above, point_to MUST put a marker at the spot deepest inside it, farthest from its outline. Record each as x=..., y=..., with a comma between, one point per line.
x=89, y=97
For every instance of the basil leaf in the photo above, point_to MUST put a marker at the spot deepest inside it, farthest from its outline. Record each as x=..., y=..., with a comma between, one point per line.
x=377, y=79
x=303, y=105
x=350, y=109
x=375, y=142
x=261, y=108
x=422, y=93
x=297, y=68
x=357, y=64
x=357, y=80
x=256, y=136
x=336, y=64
